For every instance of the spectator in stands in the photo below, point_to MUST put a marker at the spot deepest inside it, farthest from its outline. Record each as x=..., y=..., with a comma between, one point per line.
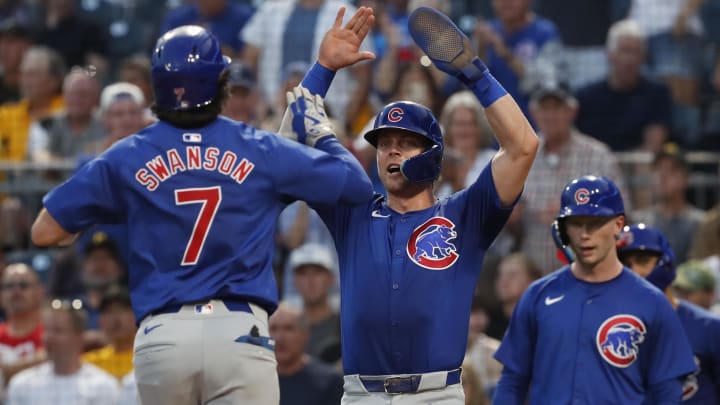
x=706, y=241
x=41, y=75
x=71, y=132
x=303, y=379
x=22, y=297
x=314, y=267
x=519, y=47
x=117, y=323
x=283, y=32
x=101, y=268
x=468, y=134
x=583, y=26
x=672, y=213
x=472, y=385
x=243, y=102
x=224, y=18
x=515, y=273
x=481, y=348
x=626, y=110
x=121, y=112
x=64, y=379
x=136, y=70
x=80, y=41
x=695, y=283
x=15, y=39
x=676, y=56
x=564, y=154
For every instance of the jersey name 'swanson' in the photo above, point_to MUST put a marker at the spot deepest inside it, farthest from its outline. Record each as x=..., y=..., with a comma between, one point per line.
x=161, y=168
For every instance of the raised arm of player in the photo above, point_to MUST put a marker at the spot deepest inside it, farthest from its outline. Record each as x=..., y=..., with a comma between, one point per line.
x=451, y=51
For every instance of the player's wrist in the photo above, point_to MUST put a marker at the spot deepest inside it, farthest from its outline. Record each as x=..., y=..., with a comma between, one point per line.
x=486, y=88
x=318, y=79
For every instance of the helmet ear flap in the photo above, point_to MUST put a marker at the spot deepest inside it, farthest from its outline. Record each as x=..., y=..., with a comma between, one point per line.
x=423, y=167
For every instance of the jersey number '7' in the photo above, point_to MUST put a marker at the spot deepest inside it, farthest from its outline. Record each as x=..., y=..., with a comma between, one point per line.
x=210, y=198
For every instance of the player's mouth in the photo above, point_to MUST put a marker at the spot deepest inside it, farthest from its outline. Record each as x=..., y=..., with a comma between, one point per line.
x=586, y=250
x=393, y=168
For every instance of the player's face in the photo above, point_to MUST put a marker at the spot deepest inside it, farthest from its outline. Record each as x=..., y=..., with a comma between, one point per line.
x=642, y=263
x=313, y=282
x=393, y=147
x=592, y=239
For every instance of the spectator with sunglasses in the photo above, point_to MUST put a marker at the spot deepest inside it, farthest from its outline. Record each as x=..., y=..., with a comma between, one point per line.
x=21, y=295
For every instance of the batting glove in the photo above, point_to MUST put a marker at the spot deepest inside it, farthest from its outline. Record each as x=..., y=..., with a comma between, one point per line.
x=305, y=120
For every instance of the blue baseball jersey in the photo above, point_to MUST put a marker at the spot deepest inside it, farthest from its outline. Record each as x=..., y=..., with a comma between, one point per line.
x=201, y=207
x=703, y=331
x=594, y=343
x=407, y=280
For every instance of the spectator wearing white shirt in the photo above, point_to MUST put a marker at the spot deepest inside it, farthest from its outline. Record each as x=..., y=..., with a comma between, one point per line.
x=64, y=379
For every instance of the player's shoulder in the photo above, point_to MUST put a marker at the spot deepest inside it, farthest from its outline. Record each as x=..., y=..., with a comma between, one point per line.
x=634, y=284
x=560, y=277
x=698, y=314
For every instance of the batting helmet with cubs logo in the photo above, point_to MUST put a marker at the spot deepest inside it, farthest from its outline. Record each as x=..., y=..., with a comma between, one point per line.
x=594, y=196
x=645, y=238
x=419, y=120
x=186, y=64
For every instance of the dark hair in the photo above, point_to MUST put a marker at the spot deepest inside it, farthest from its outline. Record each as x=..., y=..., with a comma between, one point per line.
x=196, y=117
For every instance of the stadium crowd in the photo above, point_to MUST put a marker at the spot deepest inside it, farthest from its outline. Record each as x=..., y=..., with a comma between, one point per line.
x=598, y=79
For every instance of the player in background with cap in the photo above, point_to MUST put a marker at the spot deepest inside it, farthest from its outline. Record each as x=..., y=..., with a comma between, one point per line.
x=200, y=195
x=593, y=332
x=646, y=251
x=408, y=262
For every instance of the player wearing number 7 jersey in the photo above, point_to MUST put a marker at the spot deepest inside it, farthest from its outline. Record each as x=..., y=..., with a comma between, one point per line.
x=200, y=195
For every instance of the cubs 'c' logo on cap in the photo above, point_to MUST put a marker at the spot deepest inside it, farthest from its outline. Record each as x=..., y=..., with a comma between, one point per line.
x=395, y=114
x=582, y=196
x=618, y=339
x=429, y=245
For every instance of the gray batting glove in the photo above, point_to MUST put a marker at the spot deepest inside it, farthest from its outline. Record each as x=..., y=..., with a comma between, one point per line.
x=305, y=120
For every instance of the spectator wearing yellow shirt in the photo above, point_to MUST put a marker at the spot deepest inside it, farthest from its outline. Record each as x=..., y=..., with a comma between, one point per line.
x=41, y=75
x=117, y=322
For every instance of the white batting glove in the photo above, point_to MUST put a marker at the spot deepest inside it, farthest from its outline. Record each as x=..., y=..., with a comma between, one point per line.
x=305, y=120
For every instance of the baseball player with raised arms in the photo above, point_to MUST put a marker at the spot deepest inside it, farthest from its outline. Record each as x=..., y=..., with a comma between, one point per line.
x=200, y=195
x=592, y=332
x=644, y=249
x=408, y=262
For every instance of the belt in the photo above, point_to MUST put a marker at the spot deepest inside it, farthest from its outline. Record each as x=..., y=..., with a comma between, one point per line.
x=230, y=304
x=406, y=384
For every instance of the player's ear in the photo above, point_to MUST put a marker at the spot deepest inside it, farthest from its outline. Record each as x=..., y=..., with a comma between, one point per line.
x=619, y=224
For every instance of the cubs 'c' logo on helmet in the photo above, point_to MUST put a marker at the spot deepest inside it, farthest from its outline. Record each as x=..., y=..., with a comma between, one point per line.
x=582, y=196
x=395, y=114
x=430, y=244
x=618, y=339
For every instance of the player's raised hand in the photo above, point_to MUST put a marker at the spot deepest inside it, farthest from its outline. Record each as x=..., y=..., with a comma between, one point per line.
x=308, y=119
x=340, y=47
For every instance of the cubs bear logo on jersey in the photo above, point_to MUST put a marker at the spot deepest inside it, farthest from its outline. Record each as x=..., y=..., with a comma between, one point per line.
x=582, y=196
x=690, y=383
x=430, y=244
x=618, y=339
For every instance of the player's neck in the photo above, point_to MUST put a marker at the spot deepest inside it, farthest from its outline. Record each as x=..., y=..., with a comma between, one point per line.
x=671, y=298
x=403, y=203
x=606, y=270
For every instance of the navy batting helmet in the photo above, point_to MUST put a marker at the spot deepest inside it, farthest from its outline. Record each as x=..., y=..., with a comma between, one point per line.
x=186, y=65
x=594, y=196
x=417, y=119
x=645, y=238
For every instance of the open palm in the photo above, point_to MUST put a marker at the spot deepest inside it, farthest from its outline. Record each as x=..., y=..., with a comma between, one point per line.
x=340, y=46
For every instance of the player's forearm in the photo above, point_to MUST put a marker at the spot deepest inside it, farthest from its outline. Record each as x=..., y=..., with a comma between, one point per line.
x=511, y=388
x=357, y=187
x=318, y=79
x=46, y=231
